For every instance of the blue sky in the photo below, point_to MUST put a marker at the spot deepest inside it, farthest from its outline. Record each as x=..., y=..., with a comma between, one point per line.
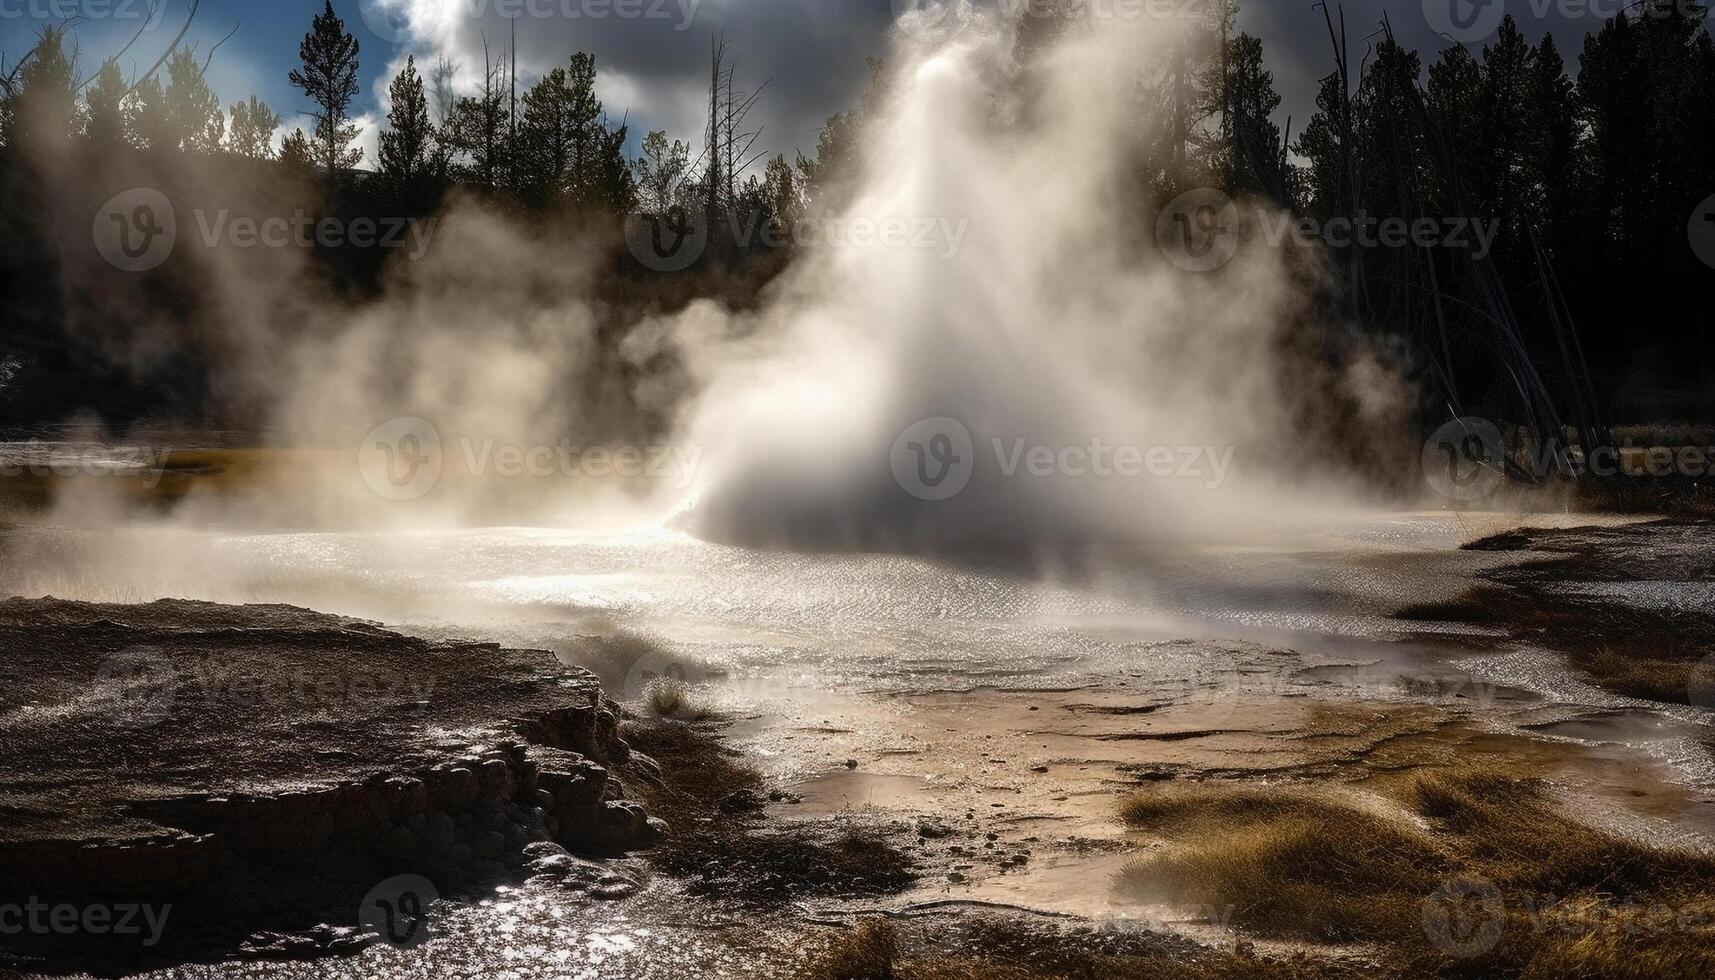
x=654, y=68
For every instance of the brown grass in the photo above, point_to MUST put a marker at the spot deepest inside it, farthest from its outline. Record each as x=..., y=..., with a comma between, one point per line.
x=1573, y=900
x=1281, y=863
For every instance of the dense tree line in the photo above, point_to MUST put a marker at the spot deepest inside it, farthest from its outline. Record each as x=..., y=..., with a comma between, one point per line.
x=1590, y=303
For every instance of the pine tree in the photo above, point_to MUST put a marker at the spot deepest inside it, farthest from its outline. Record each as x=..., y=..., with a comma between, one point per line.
x=587, y=176
x=1551, y=148
x=1455, y=84
x=1503, y=120
x=146, y=120
x=1319, y=145
x=405, y=146
x=329, y=78
x=46, y=110
x=660, y=173
x=297, y=157
x=479, y=128
x=193, y=110
x=544, y=143
x=253, y=126
x=104, y=106
x=1256, y=156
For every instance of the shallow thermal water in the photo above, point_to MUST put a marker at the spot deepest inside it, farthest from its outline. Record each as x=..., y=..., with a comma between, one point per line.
x=1014, y=700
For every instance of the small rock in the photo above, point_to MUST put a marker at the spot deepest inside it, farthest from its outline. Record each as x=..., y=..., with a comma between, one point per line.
x=851, y=763
x=543, y=848
x=742, y=801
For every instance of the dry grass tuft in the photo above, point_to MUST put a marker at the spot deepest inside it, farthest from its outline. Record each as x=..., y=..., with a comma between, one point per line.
x=668, y=698
x=1282, y=864
x=1565, y=899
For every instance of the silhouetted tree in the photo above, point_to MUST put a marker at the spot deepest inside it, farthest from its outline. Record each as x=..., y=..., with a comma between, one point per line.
x=147, y=122
x=405, y=145
x=193, y=110
x=253, y=126
x=46, y=110
x=329, y=78
x=661, y=172
x=104, y=106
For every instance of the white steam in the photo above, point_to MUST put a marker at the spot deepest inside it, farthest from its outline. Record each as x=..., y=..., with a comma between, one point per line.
x=1047, y=328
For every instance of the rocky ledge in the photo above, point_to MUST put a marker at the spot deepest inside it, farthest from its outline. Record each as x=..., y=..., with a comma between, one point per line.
x=259, y=769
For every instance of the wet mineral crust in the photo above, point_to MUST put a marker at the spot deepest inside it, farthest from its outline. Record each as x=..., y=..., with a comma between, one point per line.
x=261, y=766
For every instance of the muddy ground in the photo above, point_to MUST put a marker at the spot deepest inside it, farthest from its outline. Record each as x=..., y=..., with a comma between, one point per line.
x=976, y=805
